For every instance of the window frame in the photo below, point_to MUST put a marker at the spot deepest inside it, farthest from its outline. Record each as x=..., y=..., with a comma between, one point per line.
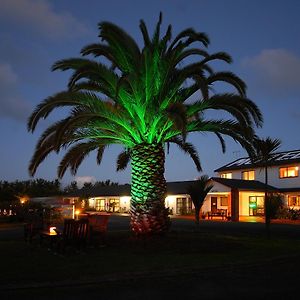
x=287, y=171
x=297, y=200
x=183, y=205
x=226, y=174
x=247, y=172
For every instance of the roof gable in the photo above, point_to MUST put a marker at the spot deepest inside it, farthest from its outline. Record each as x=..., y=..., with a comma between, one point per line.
x=246, y=185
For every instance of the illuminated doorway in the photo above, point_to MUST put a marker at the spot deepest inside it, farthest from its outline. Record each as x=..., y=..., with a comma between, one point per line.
x=183, y=206
x=256, y=205
x=100, y=205
x=114, y=205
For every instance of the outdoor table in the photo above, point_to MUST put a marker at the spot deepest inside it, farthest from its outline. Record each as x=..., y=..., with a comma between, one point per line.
x=50, y=237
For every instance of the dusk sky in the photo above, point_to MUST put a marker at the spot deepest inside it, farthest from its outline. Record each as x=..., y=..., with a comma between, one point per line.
x=263, y=37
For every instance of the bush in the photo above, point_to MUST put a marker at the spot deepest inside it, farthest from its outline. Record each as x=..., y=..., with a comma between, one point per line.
x=288, y=213
x=274, y=204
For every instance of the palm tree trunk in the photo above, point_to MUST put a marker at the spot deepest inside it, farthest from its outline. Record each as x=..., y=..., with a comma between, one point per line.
x=197, y=217
x=148, y=190
x=267, y=204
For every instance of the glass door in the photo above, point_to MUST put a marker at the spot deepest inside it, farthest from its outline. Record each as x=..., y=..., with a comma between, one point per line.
x=260, y=205
x=252, y=206
x=214, y=204
x=114, y=205
x=100, y=204
x=183, y=206
x=256, y=205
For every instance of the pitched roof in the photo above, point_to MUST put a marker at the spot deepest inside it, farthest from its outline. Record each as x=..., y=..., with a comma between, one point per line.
x=279, y=158
x=178, y=187
x=112, y=190
x=174, y=188
x=245, y=185
x=286, y=190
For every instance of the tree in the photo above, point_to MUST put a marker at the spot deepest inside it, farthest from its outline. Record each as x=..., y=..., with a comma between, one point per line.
x=264, y=156
x=198, y=190
x=71, y=189
x=141, y=98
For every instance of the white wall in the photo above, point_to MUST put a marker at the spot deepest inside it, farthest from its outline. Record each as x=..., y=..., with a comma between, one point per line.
x=125, y=203
x=206, y=207
x=170, y=202
x=218, y=187
x=273, y=178
x=218, y=190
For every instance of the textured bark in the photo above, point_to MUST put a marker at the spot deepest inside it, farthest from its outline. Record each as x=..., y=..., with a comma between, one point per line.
x=267, y=203
x=148, y=190
x=197, y=215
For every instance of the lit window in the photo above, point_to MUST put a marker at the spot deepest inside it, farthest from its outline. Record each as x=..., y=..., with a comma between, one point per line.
x=224, y=201
x=288, y=172
x=294, y=200
x=248, y=175
x=226, y=175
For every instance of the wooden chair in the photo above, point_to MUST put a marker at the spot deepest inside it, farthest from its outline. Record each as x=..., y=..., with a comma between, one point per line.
x=82, y=232
x=32, y=228
x=74, y=235
x=98, y=228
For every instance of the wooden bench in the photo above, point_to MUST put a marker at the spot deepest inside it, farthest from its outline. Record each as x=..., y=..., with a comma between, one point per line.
x=218, y=213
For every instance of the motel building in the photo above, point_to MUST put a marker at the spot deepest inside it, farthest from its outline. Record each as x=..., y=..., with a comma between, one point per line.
x=238, y=189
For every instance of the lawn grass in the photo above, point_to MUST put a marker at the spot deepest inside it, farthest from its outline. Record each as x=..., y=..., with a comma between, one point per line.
x=124, y=256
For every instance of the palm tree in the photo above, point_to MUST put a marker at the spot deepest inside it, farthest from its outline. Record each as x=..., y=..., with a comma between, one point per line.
x=264, y=156
x=198, y=190
x=139, y=100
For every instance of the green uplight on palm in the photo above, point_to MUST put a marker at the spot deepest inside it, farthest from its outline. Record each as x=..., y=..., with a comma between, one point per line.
x=139, y=100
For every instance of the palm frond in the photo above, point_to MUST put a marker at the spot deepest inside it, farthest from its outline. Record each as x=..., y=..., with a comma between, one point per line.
x=123, y=47
x=74, y=157
x=199, y=189
x=192, y=36
x=58, y=100
x=145, y=34
x=188, y=148
x=142, y=96
x=230, y=78
x=123, y=160
x=265, y=149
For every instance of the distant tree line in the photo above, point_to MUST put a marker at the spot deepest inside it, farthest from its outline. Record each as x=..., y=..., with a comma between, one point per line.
x=14, y=191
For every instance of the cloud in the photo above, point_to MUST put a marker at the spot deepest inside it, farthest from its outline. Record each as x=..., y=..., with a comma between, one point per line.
x=276, y=69
x=40, y=16
x=12, y=105
x=82, y=179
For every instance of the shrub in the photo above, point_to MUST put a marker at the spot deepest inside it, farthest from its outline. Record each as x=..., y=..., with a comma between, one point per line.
x=274, y=204
x=288, y=213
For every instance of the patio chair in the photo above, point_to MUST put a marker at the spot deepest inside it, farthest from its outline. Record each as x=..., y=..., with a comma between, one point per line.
x=74, y=235
x=98, y=228
x=33, y=227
